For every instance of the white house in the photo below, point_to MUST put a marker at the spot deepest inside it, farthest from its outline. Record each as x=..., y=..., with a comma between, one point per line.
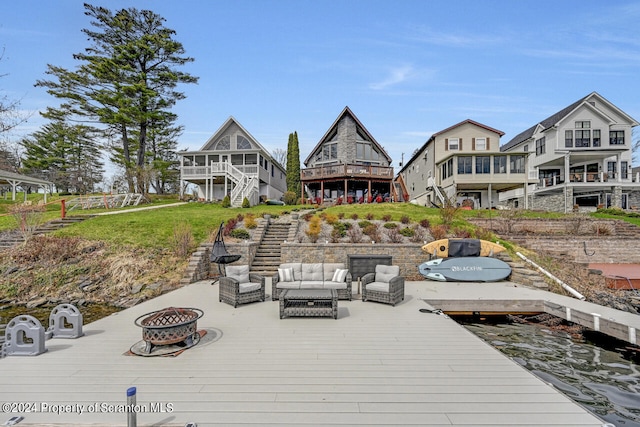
x=233, y=162
x=581, y=156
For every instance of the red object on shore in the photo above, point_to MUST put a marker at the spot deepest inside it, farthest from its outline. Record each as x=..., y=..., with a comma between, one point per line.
x=619, y=276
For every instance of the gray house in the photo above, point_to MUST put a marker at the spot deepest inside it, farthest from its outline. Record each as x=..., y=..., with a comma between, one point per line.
x=233, y=162
x=581, y=158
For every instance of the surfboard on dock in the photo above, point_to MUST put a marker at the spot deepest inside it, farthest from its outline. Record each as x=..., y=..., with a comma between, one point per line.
x=465, y=269
x=445, y=248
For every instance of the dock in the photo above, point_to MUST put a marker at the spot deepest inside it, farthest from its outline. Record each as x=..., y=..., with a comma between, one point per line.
x=375, y=365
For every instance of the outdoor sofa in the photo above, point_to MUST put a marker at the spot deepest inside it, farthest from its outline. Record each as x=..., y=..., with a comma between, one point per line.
x=297, y=275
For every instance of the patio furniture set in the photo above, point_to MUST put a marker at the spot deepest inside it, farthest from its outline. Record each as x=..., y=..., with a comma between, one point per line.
x=310, y=289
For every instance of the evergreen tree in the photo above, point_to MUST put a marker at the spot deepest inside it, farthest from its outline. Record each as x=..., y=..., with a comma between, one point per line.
x=65, y=154
x=127, y=81
x=293, y=165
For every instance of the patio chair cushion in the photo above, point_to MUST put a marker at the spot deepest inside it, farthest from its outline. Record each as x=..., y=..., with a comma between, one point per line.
x=330, y=269
x=340, y=275
x=249, y=287
x=378, y=286
x=285, y=274
x=312, y=272
x=238, y=272
x=384, y=273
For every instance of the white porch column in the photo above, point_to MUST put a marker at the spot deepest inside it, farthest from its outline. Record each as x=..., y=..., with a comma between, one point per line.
x=618, y=168
x=566, y=179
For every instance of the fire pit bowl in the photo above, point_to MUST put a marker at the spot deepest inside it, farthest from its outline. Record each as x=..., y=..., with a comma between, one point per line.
x=171, y=325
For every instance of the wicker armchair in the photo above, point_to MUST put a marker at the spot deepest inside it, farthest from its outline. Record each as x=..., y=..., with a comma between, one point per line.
x=240, y=287
x=385, y=285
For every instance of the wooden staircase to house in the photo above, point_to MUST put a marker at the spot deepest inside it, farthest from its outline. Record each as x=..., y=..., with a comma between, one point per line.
x=14, y=237
x=267, y=258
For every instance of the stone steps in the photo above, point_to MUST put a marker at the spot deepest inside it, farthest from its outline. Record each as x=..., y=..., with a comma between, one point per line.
x=268, y=254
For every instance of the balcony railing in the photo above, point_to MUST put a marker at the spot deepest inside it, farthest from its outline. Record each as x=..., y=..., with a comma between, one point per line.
x=206, y=171
x=346, y=171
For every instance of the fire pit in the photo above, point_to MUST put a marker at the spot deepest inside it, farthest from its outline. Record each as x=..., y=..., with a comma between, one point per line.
x=169, y=326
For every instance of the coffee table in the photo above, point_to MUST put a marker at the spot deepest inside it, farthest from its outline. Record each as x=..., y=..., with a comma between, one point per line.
x=309, y=303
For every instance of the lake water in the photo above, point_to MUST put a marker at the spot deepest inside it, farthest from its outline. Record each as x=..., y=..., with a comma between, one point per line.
x=602, y=380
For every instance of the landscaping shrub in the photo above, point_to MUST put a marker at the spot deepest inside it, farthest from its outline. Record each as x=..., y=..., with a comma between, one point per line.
x=390, y=225
x=354, y=216
x=483, y=234
x=240, y=233
x=330, y=218
x=386, y=218
x=315, y=228
x=245, y=203
x=355, y=235
x=439, y=231
x=341, y=215
x=461, y=233
x=405, y=219
x=182, y=239
x=28, y=217
x=307, y=217
x=340, y=229
x=364, y=224
x=370, y=216
x=407, y=231
x=419, y=235
x=250, y=222
x=230, y=225
x=394, y=236
x=373, y=232
x=290, y=198
x=424, y=223
x=226, y=202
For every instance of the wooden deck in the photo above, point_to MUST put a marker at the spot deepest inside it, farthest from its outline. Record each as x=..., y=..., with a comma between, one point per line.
x=374, y=365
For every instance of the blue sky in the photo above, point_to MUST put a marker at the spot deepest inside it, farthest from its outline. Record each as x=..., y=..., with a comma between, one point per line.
x=405, y=68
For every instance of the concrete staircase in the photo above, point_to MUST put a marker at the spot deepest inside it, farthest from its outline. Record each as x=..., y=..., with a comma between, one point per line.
x=267, y=258
x=14, y=237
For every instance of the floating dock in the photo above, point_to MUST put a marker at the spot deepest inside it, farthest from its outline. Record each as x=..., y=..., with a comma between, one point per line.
x=375, y=365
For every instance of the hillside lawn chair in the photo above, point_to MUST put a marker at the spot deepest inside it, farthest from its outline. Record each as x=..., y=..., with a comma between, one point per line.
x=385, y=285
x=238, y=286
x=219, y=253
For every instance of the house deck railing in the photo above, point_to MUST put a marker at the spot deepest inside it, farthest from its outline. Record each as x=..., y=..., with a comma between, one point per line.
x=347, y=171
x=587, y=177
x=206, y=171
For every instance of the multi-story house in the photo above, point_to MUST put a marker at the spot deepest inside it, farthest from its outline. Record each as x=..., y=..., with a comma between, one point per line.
x=463, y=164
x=234, y=163
x=347, y=165
x=582, y=157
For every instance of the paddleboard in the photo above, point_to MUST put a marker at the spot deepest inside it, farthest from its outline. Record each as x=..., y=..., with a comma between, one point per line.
x=445, y=248
x=465, y=269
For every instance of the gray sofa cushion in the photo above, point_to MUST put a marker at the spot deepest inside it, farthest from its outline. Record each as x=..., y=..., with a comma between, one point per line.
x=312, y=284
x=238, y=272
x=288, y=285
x=384, y=273
x=335, y=285
x=312, y=272
x=330, y=268
x=297, y=269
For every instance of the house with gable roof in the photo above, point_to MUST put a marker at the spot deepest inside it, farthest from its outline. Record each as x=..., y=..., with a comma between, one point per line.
x=581, y=157
x=233, y=162
x=347, y=165
x=463, y=163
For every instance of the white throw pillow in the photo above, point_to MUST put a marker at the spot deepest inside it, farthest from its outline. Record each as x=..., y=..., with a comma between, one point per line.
x=285, y=274
x=340, y=275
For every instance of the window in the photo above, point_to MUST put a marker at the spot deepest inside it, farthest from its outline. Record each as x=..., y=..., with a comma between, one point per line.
x=616, y=137
x=214, y=158
x=447, y=169
x=243, y=143
x=365, y=152
x=568, y=138
x=483, y=164
x=453, y=144
x=611, y=169
x=250, y=159
x=500, y=164
x=464, y=165
x=273, y=171
x=583, y=138
x=236, y=159
x=329, y=152
x=541, y=146
x=224, y=143
x=516, y=164
x=583, y=125
x=624, y=166
x=200, y=161
x=526, y=148
x=481, y=144
x=596, y=138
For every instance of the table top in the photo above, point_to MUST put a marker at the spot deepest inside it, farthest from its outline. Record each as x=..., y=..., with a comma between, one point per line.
x=310, y=294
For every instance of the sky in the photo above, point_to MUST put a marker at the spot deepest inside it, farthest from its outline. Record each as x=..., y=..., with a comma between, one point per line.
x=406, y=68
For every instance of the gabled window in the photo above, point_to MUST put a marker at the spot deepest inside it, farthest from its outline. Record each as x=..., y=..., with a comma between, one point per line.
x=481, y=144
x=224, y=143
x=330, y=152
x=242, y=143
x=366, y=152
x=453, y=144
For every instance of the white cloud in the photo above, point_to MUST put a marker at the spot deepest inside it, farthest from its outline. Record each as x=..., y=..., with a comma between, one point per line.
x=396, y=76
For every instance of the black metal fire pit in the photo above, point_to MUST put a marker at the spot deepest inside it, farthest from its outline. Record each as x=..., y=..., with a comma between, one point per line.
x=169, y=326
